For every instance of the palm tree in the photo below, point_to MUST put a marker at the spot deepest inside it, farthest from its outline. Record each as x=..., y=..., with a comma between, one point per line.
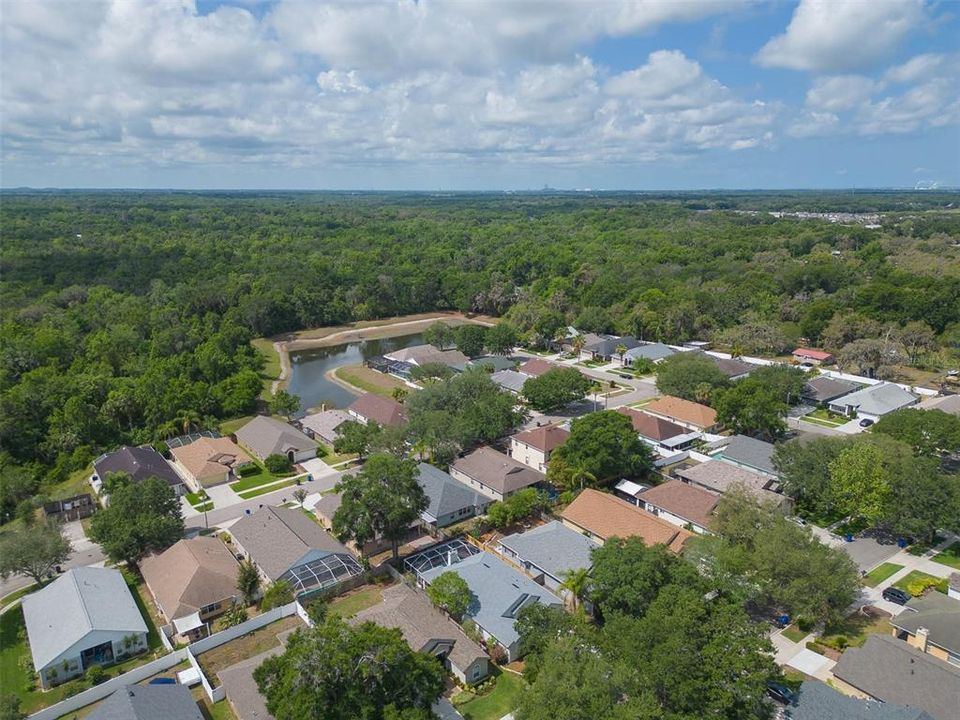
x=399, y=393
x=736, y=351
x=581, y=475
x=621, y=350
x=167, y=430
x=420, y=448
x=577, y=344
x=702, y=392
x=187, y=420
x=576, y=582
x=560, y=336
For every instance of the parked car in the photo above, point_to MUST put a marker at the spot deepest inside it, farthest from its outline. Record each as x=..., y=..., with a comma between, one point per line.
x=896, y=595
x=866, y=422
x=780, y=692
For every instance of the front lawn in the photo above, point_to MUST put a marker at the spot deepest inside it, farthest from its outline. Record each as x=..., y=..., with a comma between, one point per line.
x=264, y=477
x=916, y=582
x=495, y=704
x=822, y=416
x=855, y=629
x=271, y=367
x=921, y=548
x=950, y=556
x=881, y=573
x=264, y=489
x=199, y=502
x=794, y=634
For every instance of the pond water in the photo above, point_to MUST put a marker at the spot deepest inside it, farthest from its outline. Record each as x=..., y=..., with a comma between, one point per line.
x=309, y=367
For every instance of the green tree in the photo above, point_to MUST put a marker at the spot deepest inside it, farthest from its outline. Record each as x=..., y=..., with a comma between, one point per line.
x=538, y=626
x=576, y=581
x=399, y=393
x=516, y=507
x=248, y=581
x=234, y=615
x=379, y=501
x=470, y=339
x=284, y=403
x=577, y=344
x=276, y=594
x=450, y=593
x=804, y=471
x=556, y=389
x=355, y=437
x=434, y=370
x=501, y=338
x=278, y=464
x=928, y=432
x=860, y=483
x=10, y=707
x=141, y=518
x=752, y=408
x=602, y=444
x=922, y=499
x=439, y=335
x=681, y=373
x=33, y=551
x=336, y=671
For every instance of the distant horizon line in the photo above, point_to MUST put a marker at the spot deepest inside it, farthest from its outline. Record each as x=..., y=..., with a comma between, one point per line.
x=489, y=191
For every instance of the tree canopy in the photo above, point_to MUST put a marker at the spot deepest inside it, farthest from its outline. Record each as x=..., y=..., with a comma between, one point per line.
x=556, y=389
x=689, y=375
x=602, y=445
x=450, y=593
x=34, y=550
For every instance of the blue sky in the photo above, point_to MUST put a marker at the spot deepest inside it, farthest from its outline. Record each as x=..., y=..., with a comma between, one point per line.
x=466, y=95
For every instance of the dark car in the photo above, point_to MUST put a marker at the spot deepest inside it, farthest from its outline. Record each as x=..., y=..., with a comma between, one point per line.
x=896, y=595
x=866, y=422
x=780, y=692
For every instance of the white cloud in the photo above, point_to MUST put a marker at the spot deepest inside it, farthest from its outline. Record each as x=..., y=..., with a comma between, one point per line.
x=814, y=124
x=840, y=92
x=920, y=67
x=842, y=35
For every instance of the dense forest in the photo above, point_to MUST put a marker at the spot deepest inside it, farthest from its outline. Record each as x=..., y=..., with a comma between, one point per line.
x=126, y=315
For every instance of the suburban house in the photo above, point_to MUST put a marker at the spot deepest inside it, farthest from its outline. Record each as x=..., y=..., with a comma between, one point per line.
x=745, y=452
x=209, y=461
x=265, y=436
x=654, y=352
x=588, y=339
x=685, y=413
x=427, y=629
x=680, y=504
x=492, y=363
x=601, y=516
x=287, y=545
x=139, y=463
x=810, y=356
x=450, y=500
x=873, y=402
x=630, y=491
x=148, y=702
x=85, y=617
x=326, y=507
x=815, y=700
x=733, y=368
x=549, y=552
x=323, y=425
x=822, y=389
x=378, y=409
x=605, y=347
x=892, y=671
x=949, y=404
x=720, y=477
x=535, y=367
x=494, y=474
x=932, y=627
x=510, y=380
x=658, y=431
x=423, y=354
x=499, y=594
x=533, y=447
x=192, y=582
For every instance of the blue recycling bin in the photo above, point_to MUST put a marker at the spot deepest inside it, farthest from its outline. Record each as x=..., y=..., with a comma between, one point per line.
x=901, y=542
x=309, y=477
x=849, y=537
x=783, y=621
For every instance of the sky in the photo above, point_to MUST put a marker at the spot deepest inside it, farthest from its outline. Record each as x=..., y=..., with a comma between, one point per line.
x=470, y=95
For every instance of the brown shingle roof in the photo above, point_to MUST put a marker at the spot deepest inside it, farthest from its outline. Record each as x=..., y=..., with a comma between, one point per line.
x=722, y=476
x=683, y=500
x=606, y=516
x=683, y=410
x=650, y=426
x=190, y=574
x=208, y=457
x=380, y=410
x=545, y=438
x=536, y=367
x=496, y=470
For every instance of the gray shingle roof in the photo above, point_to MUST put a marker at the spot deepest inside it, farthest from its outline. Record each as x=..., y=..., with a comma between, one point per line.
x=268, y=436
x=554, y=548
x=749, y=451
x=446, y=495
x=496, y=470
x=653, y=351
x=324, y=424
x=499, y=593
x=148, y=702
x=721, y=477
x=936, y=612
x=607, y=345
x=137, y=462
x=824, y=389
x=510, y=380
x=81, y=601
x=877, y=399
x=818, y=701
x=895, y=672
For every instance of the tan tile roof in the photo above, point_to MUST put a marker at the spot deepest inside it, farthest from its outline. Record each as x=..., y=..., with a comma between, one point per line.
x=536, y=367
x=683, y=500
x=381, y=410
x=208, y=457
x=684, y=411
x=606, y=516
x=190, y=574
x=496, y=470
x=652, y=427
x=545, y=438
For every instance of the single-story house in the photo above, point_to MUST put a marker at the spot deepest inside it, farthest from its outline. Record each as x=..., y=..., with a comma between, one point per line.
x=816, y=700
x=733, y=368
x=323, y=425
x=265, y=436
x=656, y=431
x=209, y=461
x=241, y=689
x=690, y=415
x=450, y=500
x=746, y=452
x=949, y=404
x=192, y=582
x=499, y=594
x=654, y=352
x=494, y=474
x=720, y=477
x=510, y=380
x=85, y=617
x=139, y=463
x=588, y=339
x=533, y=447
x=681, y=504
x=492, y=363
x=549, y=552
x=427, y=629
x=932, y=625
x=424, y=354
x=812, y=356
x=285, y=544
x=873, y=402
x=148, y=702
x=72, y=508
x=605, y=348
x=822, y=389
x=601, y=516
x=378, y=409
x=535, y=367
x=892, y=671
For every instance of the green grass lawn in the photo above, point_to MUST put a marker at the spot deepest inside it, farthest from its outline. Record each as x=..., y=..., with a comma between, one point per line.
x=369, y=380
x=199, y=503
x=347, y=606
x=17, y=594
x=228, y=427
x=497, y=703
x=913, y=581
x=263, y=490
x=949, y=557
x=271, y=369
x=263, y=477
x=794, y=634
x=921, y=548
x=332, y=457
x=821, y=416
x=854, y=630
x=75, y=484
x=881, y=573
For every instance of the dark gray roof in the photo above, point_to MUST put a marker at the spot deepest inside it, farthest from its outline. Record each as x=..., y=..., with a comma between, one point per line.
x=731, y=367
x=510, y=380
x=497, y=362
x=818, y=701
x=267, y=436
x=936, y=612
x=554, y=548
x=651, y=351
x=139, y=463
x=148, y=702
x=607, y=345
x=824, y=389
x=877, y=399
x=890, y=670
x=446, y=495
x=748, y=451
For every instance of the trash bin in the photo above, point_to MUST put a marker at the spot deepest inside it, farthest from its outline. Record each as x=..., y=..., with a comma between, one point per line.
x=901, y=542
x=849, y=537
